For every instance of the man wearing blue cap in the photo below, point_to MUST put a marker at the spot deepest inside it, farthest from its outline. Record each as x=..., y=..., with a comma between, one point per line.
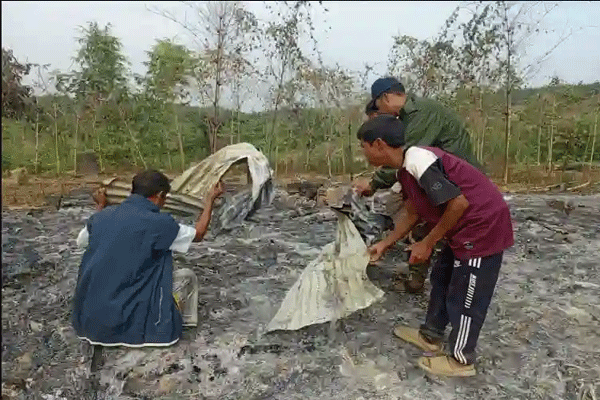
x=428, y=123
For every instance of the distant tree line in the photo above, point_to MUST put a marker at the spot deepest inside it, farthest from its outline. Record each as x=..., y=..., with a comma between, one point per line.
x=174, y=114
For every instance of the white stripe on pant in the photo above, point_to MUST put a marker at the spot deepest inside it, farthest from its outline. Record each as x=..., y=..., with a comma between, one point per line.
x=461, y=296
x=461, y=339
x=465, y=321
x=471, y=290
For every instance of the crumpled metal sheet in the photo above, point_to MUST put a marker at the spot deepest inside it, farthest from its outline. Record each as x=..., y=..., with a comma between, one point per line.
x=117, y=191
x=198, y=180
x=239, y=207
x=332, y=286
x=371, y=222
x=189, y=190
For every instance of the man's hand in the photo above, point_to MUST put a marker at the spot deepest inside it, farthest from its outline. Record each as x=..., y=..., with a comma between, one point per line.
x=99, y=197
x=204, y=220
x=419, y=252
x=377, y=250
x=363, y=188
x=216, y=191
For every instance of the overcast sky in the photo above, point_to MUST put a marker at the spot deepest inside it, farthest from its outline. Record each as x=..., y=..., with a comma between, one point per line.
x=360, y=32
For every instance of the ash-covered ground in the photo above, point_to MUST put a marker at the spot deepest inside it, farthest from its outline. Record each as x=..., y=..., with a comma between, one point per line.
x=541, y=339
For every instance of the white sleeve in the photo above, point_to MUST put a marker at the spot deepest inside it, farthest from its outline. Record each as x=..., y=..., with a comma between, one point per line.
x=184, y=238
x=83, y=238
x=417, y=160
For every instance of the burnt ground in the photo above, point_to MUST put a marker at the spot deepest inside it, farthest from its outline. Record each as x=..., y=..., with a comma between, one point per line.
x=541, y=339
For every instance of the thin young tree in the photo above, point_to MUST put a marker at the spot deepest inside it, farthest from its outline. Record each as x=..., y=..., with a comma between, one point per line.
x=168, y=79
x=217, y=29
x=284, y=34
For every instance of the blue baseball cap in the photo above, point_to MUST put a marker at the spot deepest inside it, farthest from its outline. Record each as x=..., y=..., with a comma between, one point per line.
x=383, y=85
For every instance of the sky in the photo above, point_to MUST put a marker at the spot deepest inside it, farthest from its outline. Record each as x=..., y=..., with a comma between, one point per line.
x=350, y=33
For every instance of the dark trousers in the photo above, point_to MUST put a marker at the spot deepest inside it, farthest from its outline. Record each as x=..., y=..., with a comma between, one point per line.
x=460, y=295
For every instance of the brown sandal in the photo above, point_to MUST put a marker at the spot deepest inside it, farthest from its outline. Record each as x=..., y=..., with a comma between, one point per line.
x=446, y=366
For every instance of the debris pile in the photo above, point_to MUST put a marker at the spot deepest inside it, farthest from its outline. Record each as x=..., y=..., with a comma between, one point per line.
x=539, y=340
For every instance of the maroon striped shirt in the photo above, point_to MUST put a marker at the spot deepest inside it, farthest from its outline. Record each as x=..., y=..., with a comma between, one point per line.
x=430, y=177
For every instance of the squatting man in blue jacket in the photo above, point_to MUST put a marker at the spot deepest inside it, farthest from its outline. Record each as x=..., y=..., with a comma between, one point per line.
x=124, y=288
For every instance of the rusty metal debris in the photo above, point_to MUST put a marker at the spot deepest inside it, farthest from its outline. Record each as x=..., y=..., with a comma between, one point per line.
x=189, y=189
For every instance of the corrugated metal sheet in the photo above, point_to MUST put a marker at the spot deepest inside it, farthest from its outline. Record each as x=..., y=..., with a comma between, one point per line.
x=332, y=286
x=189, y=190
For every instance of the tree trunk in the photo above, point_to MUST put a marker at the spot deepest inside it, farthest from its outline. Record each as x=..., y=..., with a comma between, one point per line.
x=100, y=154
x=86, y=138
x=308, y=148
x=276, y=159
x=539, y=146
x=37, y=142
x=481, y=143
x=517, y=139
x=56, y=140
x=327, y=142
x=76, y=140
x=509, y=43
x=350, y=158
x=237, y=124
x=180, y=142
x=271, y=137
x=507, y=136
x=539, y=149
x=169, y=160
x=132, y=138
x=93, y=130
x=587, y=145
x=277, y=100
x=551, y=144
x=594, y=141
x=219, y=62
x=342, y=153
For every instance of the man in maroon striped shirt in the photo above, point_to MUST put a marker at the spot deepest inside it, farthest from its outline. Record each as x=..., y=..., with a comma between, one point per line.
x=469, y=211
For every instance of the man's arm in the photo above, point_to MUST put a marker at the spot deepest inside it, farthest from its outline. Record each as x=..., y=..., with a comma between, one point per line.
x=384, y=178
x=83, y=238
x=99, y=197
x=407, y=219
x=455, y=209
x=421, y=251
x=204, y=220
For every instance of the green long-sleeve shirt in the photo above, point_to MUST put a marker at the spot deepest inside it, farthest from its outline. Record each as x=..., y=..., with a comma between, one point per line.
x=429, y=123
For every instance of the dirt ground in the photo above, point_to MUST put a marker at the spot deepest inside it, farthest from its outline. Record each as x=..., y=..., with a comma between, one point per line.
x=540, y=339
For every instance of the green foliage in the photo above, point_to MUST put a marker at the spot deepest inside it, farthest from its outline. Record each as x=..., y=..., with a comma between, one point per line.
x=15, y=95
x=102, y=66
x=314, y=110
x=169, y=70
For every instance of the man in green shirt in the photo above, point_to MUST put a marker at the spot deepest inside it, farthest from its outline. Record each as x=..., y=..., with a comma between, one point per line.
x=428, y=123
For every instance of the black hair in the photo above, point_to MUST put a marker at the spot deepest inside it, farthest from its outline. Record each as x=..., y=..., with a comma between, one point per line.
x=371, y=108
x=149, y=183
x=386, y=127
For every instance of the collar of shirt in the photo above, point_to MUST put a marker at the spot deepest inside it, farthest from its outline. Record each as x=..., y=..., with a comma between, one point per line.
x=409, y=107
x=141, y=202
